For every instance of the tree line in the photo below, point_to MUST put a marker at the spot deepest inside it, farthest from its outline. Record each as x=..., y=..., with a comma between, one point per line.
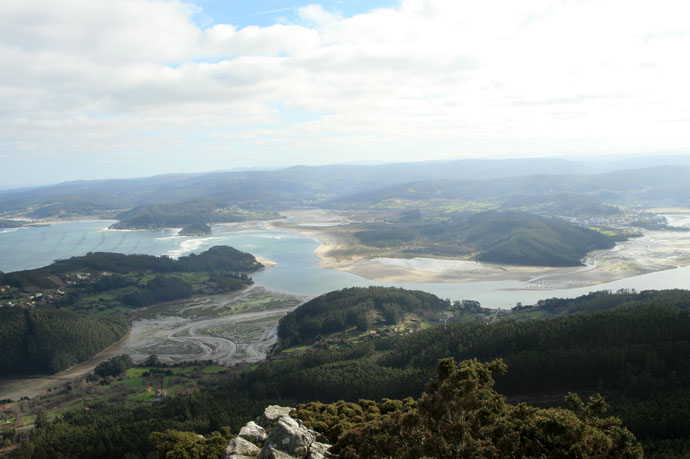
x=49, y=340
x=215, y=259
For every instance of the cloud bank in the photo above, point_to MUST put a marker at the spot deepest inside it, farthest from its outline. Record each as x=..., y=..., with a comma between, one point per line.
x=134, y=87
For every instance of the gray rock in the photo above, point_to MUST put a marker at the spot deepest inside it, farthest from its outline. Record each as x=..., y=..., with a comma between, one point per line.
x=253, y=433
x=282, y=437
x=319, y=450
x=239, y=448
x=271, y=414
x=290, y=437
x=269, y=452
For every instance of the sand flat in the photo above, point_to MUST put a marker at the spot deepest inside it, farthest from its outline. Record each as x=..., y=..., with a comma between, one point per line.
x=654, y=251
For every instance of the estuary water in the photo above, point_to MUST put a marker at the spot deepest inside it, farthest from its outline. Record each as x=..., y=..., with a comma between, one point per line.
x=296, y=270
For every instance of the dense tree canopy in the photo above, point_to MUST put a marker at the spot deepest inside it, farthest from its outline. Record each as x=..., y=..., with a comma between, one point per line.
x=461, y=416
x=49, y=340
x=352, y=307
x=215, y=259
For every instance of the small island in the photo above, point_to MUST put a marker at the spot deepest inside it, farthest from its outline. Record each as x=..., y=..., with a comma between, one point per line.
x=195, y=229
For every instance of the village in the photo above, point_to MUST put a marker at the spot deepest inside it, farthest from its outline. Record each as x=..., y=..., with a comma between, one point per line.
x=32, y=296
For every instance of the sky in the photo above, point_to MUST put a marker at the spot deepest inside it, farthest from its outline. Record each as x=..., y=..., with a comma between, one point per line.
x=126, y=88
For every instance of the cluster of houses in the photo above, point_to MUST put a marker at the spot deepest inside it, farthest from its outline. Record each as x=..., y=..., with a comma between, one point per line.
x=30, y=300
x=75, y=278
x=620, y=220
x=45, y=297
x=387, y=331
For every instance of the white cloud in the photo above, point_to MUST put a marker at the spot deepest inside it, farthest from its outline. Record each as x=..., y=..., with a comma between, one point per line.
x=439, y=78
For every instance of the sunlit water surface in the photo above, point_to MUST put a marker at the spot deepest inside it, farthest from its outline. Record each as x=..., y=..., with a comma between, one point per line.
x=296, y=270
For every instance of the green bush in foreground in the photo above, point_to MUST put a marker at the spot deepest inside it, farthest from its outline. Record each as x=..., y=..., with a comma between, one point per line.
x=462, y=416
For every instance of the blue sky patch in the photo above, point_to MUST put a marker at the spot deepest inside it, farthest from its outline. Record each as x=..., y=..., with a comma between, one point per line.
x=268, y=12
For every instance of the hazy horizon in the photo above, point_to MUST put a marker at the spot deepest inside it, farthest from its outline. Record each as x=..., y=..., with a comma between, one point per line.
x=598, y=164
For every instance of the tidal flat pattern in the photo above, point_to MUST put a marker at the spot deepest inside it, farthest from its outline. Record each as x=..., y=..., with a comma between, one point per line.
x=227, y=329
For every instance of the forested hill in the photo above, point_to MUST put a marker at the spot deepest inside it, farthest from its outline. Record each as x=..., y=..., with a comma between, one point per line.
x=510, y=237
x=183, y=214
x=354, y=307
x=46, y=340
x=218, y=258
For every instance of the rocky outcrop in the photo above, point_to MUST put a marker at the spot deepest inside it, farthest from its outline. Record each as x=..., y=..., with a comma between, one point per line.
x=275, y=435
x=239, y=448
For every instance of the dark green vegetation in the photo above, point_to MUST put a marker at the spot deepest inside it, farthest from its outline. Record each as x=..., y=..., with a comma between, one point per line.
x=62, y=314
x=114, y=366
x=102, y=280
x=46, y=340
x=598, y=302
x=355, y=308
x=11, y=224
x=461, y=416
x=501, y=237
x=636, y=353
x=174, y=444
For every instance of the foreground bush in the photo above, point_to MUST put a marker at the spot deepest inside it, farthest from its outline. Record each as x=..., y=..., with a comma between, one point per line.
x=461, y=416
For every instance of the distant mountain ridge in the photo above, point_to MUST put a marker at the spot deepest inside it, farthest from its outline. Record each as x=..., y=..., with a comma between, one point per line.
x=663, y=185
x=265, y=189
x=355, y=185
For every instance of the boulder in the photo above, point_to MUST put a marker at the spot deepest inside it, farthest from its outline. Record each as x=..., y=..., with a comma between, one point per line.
x=239, y=448
x=253, y=433
x=271, y=414
x=268, y=452
x=280, y=437
x=318, y=450
x=290, y=437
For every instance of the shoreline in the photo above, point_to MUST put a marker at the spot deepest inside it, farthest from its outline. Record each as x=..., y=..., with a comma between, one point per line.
x=634, y=257
x=653, y=252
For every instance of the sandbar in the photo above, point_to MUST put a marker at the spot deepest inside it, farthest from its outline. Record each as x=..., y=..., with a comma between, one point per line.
x=654, y=251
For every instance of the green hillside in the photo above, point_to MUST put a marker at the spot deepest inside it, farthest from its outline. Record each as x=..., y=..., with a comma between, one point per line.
x=47, y=340
x=507, y=237
x=354, y=308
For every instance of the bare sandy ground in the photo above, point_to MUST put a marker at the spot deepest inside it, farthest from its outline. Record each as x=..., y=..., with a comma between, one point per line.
x=655, y=251
x=265, y=261
x=226, y=328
